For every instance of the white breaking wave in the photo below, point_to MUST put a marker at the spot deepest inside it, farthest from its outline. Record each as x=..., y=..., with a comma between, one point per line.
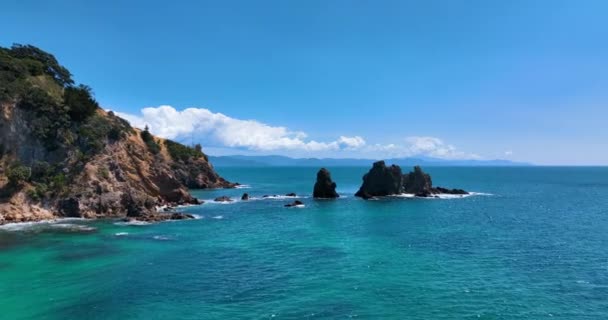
x=218, y=217
x=132, y=223
x=243, y=186
x=121, y=234
x=54, y=223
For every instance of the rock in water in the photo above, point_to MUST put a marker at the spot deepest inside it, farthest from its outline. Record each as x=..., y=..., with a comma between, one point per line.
x=294, y=204
x=223, y=199
x=324, y=187
x=417, y=182
x=290, y=194
x=381, y=181
x=245, y=197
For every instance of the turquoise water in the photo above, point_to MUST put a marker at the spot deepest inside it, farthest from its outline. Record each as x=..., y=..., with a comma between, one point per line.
x=534, y=247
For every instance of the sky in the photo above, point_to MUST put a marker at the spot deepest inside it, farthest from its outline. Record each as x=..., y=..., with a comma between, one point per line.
x=517, y=80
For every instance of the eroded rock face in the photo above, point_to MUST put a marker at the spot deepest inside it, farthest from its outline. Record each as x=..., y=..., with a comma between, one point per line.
x=381, y=181
x=69, y=207
x=384, y=181
x=417, y=182
x=324, y=186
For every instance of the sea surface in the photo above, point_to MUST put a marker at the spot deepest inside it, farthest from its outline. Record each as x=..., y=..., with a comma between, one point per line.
x=533, y=244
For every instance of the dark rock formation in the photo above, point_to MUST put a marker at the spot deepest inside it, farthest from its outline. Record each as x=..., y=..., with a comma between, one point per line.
x=324, y=186
x=290, y=194
x=69, y=207
x=417, y=182
x=450, y=191
x=295, y=203
x=381, y=181
x=384, y=181
x=223, y=199
x=245, y=196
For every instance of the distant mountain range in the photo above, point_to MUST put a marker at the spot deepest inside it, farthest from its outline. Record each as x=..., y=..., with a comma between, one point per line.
x=282, y=161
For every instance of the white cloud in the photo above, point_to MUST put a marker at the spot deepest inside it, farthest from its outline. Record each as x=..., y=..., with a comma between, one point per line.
x=221, y=131
x=167, y=122
x=355, y=142
x=435, y=147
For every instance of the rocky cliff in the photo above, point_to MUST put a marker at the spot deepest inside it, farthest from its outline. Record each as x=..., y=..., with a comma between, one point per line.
x=62, y=155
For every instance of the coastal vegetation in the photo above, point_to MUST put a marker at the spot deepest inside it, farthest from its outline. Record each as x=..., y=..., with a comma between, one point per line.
x=62, y=154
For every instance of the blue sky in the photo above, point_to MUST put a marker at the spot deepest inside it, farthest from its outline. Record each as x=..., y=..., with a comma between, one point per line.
x=519, y=80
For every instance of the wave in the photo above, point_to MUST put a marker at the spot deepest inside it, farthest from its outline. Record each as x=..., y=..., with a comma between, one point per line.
x=243, y=186
x=59, y=223
x=218, y=217
x=282, y=197
x=161, y=238
x=121, y=234
x=298, y=206
x=132, y=223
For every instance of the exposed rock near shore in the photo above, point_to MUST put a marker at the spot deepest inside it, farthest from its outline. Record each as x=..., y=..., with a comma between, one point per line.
x=384, y=181
x=223, y=199
x=245, y=196
x=324, y=186
x=294, y=204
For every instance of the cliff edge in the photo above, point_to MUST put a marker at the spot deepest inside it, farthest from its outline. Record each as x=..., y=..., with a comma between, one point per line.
x=61, y=155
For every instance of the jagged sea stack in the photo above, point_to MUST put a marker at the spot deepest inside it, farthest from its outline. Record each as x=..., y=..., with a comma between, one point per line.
x=324, y=187
x=381, y=181
x=384, y=181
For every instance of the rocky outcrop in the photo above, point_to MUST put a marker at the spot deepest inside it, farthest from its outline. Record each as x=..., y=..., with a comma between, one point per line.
x=384, y=181
x=63, y=156
x=245, y=196
x=381, y=181
x=294, y=204
x=223, y=199
x=324, y=186
x=291, y=194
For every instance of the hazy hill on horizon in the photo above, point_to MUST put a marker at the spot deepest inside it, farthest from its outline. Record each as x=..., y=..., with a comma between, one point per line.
x=284, y=161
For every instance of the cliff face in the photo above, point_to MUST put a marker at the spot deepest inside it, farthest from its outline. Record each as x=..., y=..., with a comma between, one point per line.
x=62, y=155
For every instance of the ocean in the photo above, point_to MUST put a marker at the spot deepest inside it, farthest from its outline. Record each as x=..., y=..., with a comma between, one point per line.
x=532, y=243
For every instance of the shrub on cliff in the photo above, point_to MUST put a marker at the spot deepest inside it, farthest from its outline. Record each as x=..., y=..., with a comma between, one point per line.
x=80, y=102
x=181, y=152
x=17, y=174
x=149, y=140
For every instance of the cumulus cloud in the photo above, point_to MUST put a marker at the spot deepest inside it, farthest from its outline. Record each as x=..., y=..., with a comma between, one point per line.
x=435, y=147
x=219, y=130
x=167, y=122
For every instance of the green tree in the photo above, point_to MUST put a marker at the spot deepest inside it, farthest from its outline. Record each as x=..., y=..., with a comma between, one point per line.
x=17, y=174
x=80, y=102
x=50, y=65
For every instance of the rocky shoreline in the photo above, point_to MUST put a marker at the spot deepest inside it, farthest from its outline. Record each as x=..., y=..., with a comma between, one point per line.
x=380, y=181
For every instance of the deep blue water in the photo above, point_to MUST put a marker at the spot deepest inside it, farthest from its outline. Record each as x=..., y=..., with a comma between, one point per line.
x=535, y=246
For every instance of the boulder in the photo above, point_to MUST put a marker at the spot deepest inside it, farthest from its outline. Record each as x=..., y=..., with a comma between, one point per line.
x=180, y=216
x=223, y=199
x=324, y=186
x=381, y=181
x=295, y=203
x=290, y=194
x=245, y=196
